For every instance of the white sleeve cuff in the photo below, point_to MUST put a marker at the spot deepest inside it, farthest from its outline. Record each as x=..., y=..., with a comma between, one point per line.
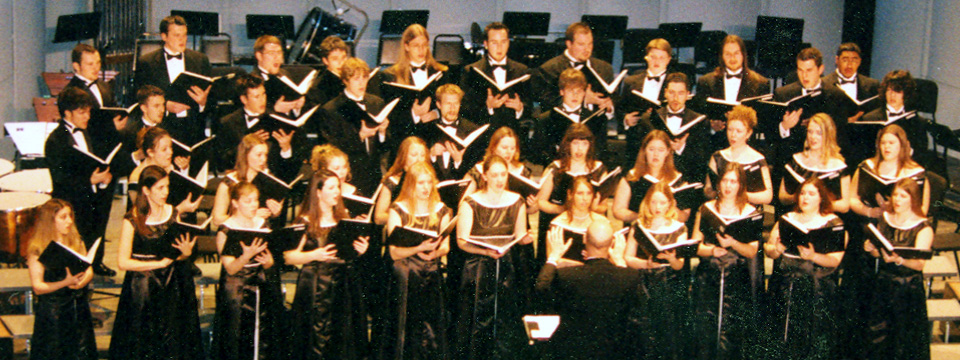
x=287, y=153
x=784, y=132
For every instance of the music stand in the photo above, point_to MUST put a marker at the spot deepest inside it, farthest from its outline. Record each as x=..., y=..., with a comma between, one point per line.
x=527, y=23
x=200, y=23
x=77, y=27
x=778, y=41
x=606, y=27
x=394, y=22
x=681, y=35
x=280, y=26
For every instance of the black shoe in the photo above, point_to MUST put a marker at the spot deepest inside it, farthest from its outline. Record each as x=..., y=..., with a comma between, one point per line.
x=195, y=270
x=103, y=270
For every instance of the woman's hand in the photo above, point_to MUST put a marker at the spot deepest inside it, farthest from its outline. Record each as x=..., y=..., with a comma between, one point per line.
x=187, y=206
x=325, y=253
x=361, y=244
x=73, y=281
x=251, y=251
x=265, y=258
x=669, y=255
x=185, y=244
x=263, y=213
x=725, y=240
x=275, y=207
x=719, y=251
x=806, y=252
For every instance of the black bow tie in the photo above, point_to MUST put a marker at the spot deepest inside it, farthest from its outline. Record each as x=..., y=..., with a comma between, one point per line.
x=499, y=66
x=418, y=68
x=578, y=63
x=78, y=130
x=891, y=114
x=90, y=84
x=841, y=81
x=450, y=125
x=654, y=77
x=574, y=112
x=177, y=56
x=677, y=114
x=737, y=75
x=250, y=118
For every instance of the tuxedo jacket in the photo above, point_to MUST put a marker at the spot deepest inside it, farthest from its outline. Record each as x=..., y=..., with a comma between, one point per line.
x=471, y=156
x=152, y=69
x=593, y=301
x=866, y=86
x=829, y=101
x=711, y=86
x=341, y=127
x=325, y=87
x=631, y=103
x=475, y=89
x=551, y=126
x=545, y=79
x=233, y=128
x=401, y=118
x=692, y=161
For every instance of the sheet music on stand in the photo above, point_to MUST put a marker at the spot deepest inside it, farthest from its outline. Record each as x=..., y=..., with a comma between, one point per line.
x=29, y=137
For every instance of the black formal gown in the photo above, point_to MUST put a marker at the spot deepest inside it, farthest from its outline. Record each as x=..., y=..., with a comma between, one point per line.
x=157, y=314
x=660, y=316
x=638, y=190
x=898, y=326
x=249, y=312
x=489, y=325
x=421, y=319
x=561, y=181
x=329, y=317
x=804, y=306
x=728, y=275
x=63, y=327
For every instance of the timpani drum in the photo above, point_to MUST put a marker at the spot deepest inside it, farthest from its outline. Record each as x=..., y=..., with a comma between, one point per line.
x=18, y=210
x=33, y=180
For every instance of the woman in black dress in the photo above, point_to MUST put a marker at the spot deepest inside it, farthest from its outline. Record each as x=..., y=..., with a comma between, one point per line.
x=803, y=289
x=63, y=327
x=898, y=323
x=421, y=317
x=740, y=123
x=252, y=156
x=329, y=318
x=659, y=316
x=576, y=159
x=249, y=300
x=157, y=314
x=722, y=289
x=488, y=323
x=654, y=164
x=412, y=150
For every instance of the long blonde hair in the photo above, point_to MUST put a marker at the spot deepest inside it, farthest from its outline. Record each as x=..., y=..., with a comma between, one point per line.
x=402, y=68
x=247, y=144
x=640, y=168
x=401, y=159
x=830, y=148
x=407, y=196
x=45, y=229
x=903, y=158
x=646, y=216
x=322, y=155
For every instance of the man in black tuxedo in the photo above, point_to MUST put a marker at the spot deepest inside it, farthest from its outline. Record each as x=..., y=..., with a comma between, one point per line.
x=286, y=149
x=690, y=150
x=90, y=193
x=503, y=109
x=578, y=55
x=648, y=82
x=333, y=52
x=786, y=134
x=733, y=81
x=553, y=123
x=847, y=78
x=593, y=300
x=268, y=50
x=449, y=161
x=85, y=60
x=159, y=68
x=345, y=128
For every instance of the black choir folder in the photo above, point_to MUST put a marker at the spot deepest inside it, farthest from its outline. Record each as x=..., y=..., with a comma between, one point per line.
x=451, y=191
x=271, y=187
x=286, y=87
x=523, y=185
x=583, y=120
x=687, y=195
x=745, y=229
x=280, y=122
x=870, y=184
x=498, y=243
x=173, y=233
x=371, y=120
x=345, y=233
x=675, y=133
x=577, y=237
x=800, y=102
x=181, y=149
x=597, y=84
x=59, y=256
x=645, y=102
x=178, y=89
x=403, y=236
x=865, y=105
x=183, y=187
x=461, y=143
x=358, y=205
x=881, y=123
x=881, y=242
x=277, y=241
x=419, y=93
x=119, y=111
x=724, y=105
x=89, y=161
x=498, y=88
x=825, y=240
x=540, y=327
x=607, y=185
x=651, y=247
x=796, y=175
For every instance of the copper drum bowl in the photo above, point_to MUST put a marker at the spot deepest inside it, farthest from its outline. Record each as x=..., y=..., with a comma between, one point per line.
x=18, y=211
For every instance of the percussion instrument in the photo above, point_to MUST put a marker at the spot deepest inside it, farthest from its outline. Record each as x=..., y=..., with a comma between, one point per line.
x=18, y=211
x=33, y=180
